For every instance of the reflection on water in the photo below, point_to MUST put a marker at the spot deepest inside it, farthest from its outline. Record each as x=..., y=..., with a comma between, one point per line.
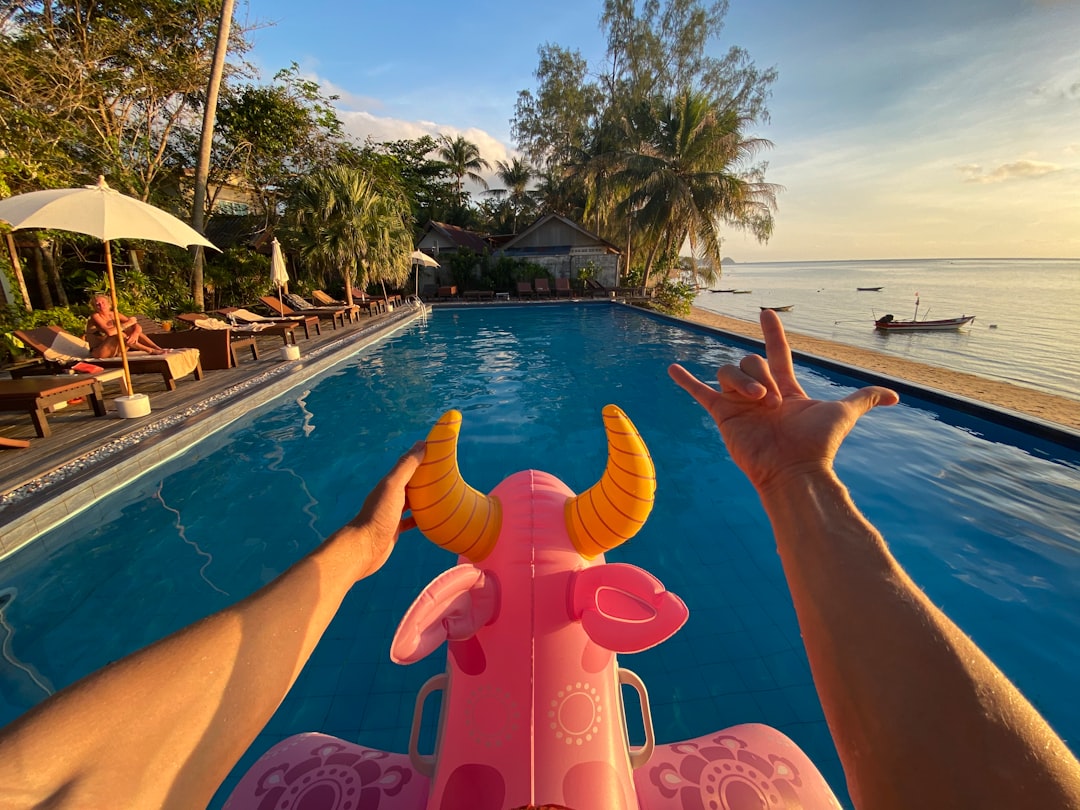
x=181, y=531
x=21, y=681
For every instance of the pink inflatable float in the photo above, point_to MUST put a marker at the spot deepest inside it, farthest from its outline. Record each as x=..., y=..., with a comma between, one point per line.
x=531, y=701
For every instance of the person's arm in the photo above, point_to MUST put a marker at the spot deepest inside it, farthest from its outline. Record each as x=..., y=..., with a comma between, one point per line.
x=920, y=716
x=163, y=726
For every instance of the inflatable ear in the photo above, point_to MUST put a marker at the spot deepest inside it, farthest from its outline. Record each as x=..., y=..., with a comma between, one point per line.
x=613, y=510
x=624, y=608
x=449, y=512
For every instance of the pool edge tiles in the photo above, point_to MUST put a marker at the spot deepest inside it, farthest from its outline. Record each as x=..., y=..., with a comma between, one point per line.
x=38, y=506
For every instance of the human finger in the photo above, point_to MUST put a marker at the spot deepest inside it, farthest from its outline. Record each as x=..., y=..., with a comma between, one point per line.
x=702, y=392
x=778, y=352
x=870, y=397
x=406, y=465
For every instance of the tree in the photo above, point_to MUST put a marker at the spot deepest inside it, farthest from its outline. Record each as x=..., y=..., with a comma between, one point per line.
x=515, y=199
x=463, y=160
x=684, y=181
x=614, y=152
x=341, y=222
x=109, y=87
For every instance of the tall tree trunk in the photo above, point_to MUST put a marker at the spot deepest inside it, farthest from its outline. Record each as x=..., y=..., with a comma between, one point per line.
x=202, y=170
x=39, y=275
x=48, y=254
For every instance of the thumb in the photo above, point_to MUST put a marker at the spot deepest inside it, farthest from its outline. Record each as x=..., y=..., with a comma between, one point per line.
x=870, y=397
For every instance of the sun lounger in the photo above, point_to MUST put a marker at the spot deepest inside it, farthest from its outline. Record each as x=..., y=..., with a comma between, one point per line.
x=562, y=286
x=335, y=314
x=60, y=349
x=525, y=290
x=34, y=395
x=245, y=317
x=364, y=301
x=324, y=300
x=217, y=347
x=541, y=287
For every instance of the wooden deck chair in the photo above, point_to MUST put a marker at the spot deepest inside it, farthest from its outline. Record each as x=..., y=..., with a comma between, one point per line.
x=542, y=287
x=525, y=290
x=562, y=287
x=335, y=314
x=323, y=299
x=268, y=323
x=60, y=349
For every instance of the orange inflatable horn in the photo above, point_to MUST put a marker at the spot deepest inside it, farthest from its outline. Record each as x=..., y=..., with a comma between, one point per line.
x=448, y=511
x=613, y=510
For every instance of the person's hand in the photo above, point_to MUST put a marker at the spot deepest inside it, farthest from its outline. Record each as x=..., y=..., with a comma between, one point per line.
x=381, y=519
x=772, y=429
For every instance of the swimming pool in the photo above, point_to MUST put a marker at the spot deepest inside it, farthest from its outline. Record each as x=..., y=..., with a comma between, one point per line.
x=984, y=519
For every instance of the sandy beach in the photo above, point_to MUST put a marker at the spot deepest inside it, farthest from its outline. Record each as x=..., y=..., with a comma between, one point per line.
x=1052, y=408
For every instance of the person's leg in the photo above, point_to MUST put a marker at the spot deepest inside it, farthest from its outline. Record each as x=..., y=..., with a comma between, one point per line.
x=109, y=347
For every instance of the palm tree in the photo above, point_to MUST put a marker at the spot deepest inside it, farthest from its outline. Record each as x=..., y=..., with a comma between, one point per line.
x=686, y=178
x=463, y=160
x=340, y=222
x=516, y=197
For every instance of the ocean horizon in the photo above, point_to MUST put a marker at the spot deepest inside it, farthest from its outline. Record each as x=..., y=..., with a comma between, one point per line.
x=1026, y=326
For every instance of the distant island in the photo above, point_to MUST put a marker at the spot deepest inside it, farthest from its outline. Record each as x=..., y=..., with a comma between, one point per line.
x=727, y=260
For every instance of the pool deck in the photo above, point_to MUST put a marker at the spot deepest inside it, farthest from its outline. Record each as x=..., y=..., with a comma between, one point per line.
x=87, y=456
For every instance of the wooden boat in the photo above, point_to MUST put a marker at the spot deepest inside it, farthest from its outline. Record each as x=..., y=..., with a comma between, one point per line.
x=722, y=291
x=787, y=308
x=742, y=292
x=869, y=289
x=889, y=324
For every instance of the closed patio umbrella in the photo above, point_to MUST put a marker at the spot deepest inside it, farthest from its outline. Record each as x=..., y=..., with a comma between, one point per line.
x=279, y=275
x=103, y=212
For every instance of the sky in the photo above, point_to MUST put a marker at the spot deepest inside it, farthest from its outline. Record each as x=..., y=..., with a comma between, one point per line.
x=916, y=129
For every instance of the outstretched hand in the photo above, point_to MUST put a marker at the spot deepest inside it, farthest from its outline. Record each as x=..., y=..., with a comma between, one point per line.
x=772, y=429
x=381, y=518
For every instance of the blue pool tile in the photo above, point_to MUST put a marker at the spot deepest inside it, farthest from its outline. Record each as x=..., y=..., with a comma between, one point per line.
x=755, y=674
x=722, y=678
x=381, y=712
x=789, y=668
x=804, y=700
x=774, y=709
x=319, y=681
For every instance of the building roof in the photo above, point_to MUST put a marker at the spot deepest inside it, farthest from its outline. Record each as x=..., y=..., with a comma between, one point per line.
x=553, y=233
x=448, y=237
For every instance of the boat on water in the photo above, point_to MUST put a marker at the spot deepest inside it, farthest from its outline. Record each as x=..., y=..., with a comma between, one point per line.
x=869, y=289
x=787, y=308
x=742, y=292
x=723, y=291
x=888, y=323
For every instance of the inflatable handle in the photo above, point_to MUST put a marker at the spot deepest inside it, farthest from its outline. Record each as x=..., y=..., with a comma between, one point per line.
x=638, y=756
x=425, y=763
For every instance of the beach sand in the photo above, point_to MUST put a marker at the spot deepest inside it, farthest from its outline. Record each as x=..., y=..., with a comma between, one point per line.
x=1049, y=407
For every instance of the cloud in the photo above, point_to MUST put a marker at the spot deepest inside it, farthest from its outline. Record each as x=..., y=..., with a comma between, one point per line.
x=1017, y=170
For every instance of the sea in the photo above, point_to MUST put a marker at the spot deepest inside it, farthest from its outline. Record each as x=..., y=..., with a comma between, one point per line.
x=1027, y=311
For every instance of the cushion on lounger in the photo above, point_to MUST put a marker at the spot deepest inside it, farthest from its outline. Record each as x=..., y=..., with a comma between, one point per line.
x=296, y=302
x=211, y=323
x=67, y=349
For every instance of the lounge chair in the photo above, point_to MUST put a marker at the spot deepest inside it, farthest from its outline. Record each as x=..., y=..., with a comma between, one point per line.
x=594, y=289
x=335, y=314
x=246, y=317
x=217, y=347
x=542, y=287
x=525, y=290
x=60, y=350
x=562, y=285
x=371, y=305
x=322, y=299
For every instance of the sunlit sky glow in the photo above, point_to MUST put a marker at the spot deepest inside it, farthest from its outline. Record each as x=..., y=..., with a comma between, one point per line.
x=899, y=130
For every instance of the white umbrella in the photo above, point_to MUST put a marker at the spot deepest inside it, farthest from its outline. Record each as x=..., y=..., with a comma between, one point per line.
x=421, y=259
x=105, y=213
x=279, y=275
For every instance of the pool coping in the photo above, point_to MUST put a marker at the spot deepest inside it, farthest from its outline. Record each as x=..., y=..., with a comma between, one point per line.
x=36, y=507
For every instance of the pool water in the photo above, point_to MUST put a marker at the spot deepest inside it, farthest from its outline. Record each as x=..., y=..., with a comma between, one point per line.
x=986, y=519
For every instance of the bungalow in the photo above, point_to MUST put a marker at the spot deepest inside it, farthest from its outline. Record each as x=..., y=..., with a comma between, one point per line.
x=562, y=247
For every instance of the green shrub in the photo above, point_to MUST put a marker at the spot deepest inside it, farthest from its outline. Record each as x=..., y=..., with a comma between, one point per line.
x=13, y=317
x=673, y=297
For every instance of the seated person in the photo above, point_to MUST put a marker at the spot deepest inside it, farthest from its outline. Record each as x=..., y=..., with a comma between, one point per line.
x=101, y=331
